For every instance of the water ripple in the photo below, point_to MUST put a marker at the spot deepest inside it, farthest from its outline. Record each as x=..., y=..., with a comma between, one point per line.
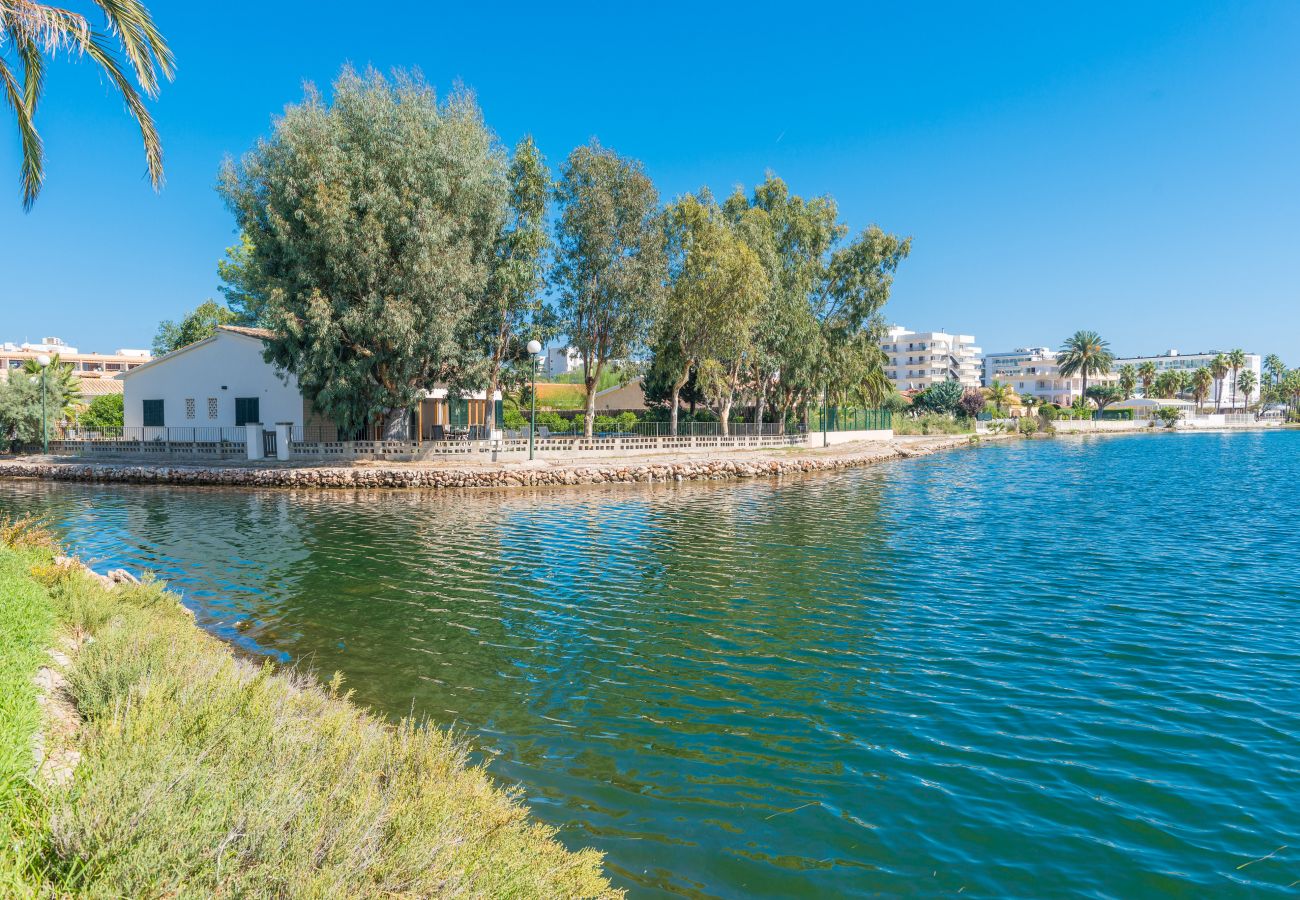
x=1046, y=668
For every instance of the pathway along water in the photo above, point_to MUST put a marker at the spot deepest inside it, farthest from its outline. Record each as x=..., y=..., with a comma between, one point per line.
x=1031, y=669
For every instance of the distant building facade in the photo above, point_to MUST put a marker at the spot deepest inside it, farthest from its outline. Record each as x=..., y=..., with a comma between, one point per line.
x=1000, y=366
x=917, y=359
x=1042, y=379
x=86, y=365
x=562, y=361
x=1173, y=361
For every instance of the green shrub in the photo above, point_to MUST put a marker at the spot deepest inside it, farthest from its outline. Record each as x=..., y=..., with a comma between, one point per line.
x=1027, y=425
x=1049, y=412
x=104, y=411
x=932, y=423
x=626, y=420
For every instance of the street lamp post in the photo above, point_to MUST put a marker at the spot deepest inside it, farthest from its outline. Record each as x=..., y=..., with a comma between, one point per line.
x=534, y=348
x=44, y=361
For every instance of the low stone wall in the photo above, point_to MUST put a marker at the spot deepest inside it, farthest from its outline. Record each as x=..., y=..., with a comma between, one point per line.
x=1087, y=426
x=704, y=469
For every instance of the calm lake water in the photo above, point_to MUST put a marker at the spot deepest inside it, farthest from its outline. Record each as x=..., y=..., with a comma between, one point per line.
x=1044, y=668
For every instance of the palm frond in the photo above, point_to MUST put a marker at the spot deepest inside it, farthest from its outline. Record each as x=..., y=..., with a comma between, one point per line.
x=33, y=166
x=144, y=46
x=52, y=29
x=97, y=50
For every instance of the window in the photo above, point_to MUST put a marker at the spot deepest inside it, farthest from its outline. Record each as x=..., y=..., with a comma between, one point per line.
x=153, y=413
x=246, y=410
x=189, y=408
x=212, y=407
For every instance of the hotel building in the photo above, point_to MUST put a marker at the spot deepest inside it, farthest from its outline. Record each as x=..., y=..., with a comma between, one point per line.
x=918, y=359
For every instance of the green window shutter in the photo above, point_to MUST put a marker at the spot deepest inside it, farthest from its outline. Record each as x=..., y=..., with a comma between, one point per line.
x=498, y=411
x=246, y=410
x=153, y=413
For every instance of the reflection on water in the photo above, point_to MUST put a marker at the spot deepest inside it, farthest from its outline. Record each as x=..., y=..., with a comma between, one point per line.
x=1040, y=668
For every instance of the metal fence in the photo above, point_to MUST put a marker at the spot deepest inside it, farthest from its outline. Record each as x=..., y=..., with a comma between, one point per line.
x=216, y=434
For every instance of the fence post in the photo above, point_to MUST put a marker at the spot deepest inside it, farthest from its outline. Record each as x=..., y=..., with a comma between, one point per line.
x=283, y=431
x=253, y=440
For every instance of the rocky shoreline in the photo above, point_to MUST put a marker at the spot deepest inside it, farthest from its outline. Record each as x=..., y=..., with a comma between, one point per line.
x=713, y=468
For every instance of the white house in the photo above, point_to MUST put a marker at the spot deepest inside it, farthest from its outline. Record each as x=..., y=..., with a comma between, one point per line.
x=223, y=382
x=1000, y=366
x=1173, y=361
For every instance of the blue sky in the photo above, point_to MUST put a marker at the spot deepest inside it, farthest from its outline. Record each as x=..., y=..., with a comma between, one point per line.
x=1130, y=168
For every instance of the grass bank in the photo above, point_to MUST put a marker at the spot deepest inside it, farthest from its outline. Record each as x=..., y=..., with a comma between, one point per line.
x=201, y=774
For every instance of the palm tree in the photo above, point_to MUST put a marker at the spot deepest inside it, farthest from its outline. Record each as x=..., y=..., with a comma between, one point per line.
x=1219, y=369
x=1246, y=383
x=1147, y=375
x=1084, y=353
x=1237, y=362
x=1275, y=367
x=998, y=393
x=61, y=381
x=1127, y=380
x=1202, y=380
x=30, y=31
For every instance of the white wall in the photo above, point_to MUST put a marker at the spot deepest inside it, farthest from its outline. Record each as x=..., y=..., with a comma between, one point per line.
x=228, y=366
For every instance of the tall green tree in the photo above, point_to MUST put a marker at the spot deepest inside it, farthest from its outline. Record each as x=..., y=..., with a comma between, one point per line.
x=1084, y=353
x=1219, y=367
x=512, y=311
x=245, y=295
x=1127, y=380
x=826, y=293
x=373, y=222
x=716, y=287
x=199, y=323
x=1147, y=375
x=30, y=31
x=610, y=265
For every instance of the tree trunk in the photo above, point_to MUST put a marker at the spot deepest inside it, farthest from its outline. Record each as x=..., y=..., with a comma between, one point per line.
x=760, y=407
x=677, y=400
x=724, y=415
x=490, y=406
x=589, y=416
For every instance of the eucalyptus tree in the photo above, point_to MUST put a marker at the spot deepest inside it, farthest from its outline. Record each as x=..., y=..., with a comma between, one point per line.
x=610, y=265
x=1084, y=353
x=511, y=311
x=1219, y=367
x=373, y=221
x=1246, y=383
x=716, y=285
x=1146, y=373
x=826, y=292
x=1202, y=381
x=1236, y=362
x=31, y=31
x=1127, y=380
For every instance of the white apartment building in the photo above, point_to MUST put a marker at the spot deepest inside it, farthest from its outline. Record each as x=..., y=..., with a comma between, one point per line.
x=1001, y=366
x=918, y=359
x=1041, y=378
x=1172, y=360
